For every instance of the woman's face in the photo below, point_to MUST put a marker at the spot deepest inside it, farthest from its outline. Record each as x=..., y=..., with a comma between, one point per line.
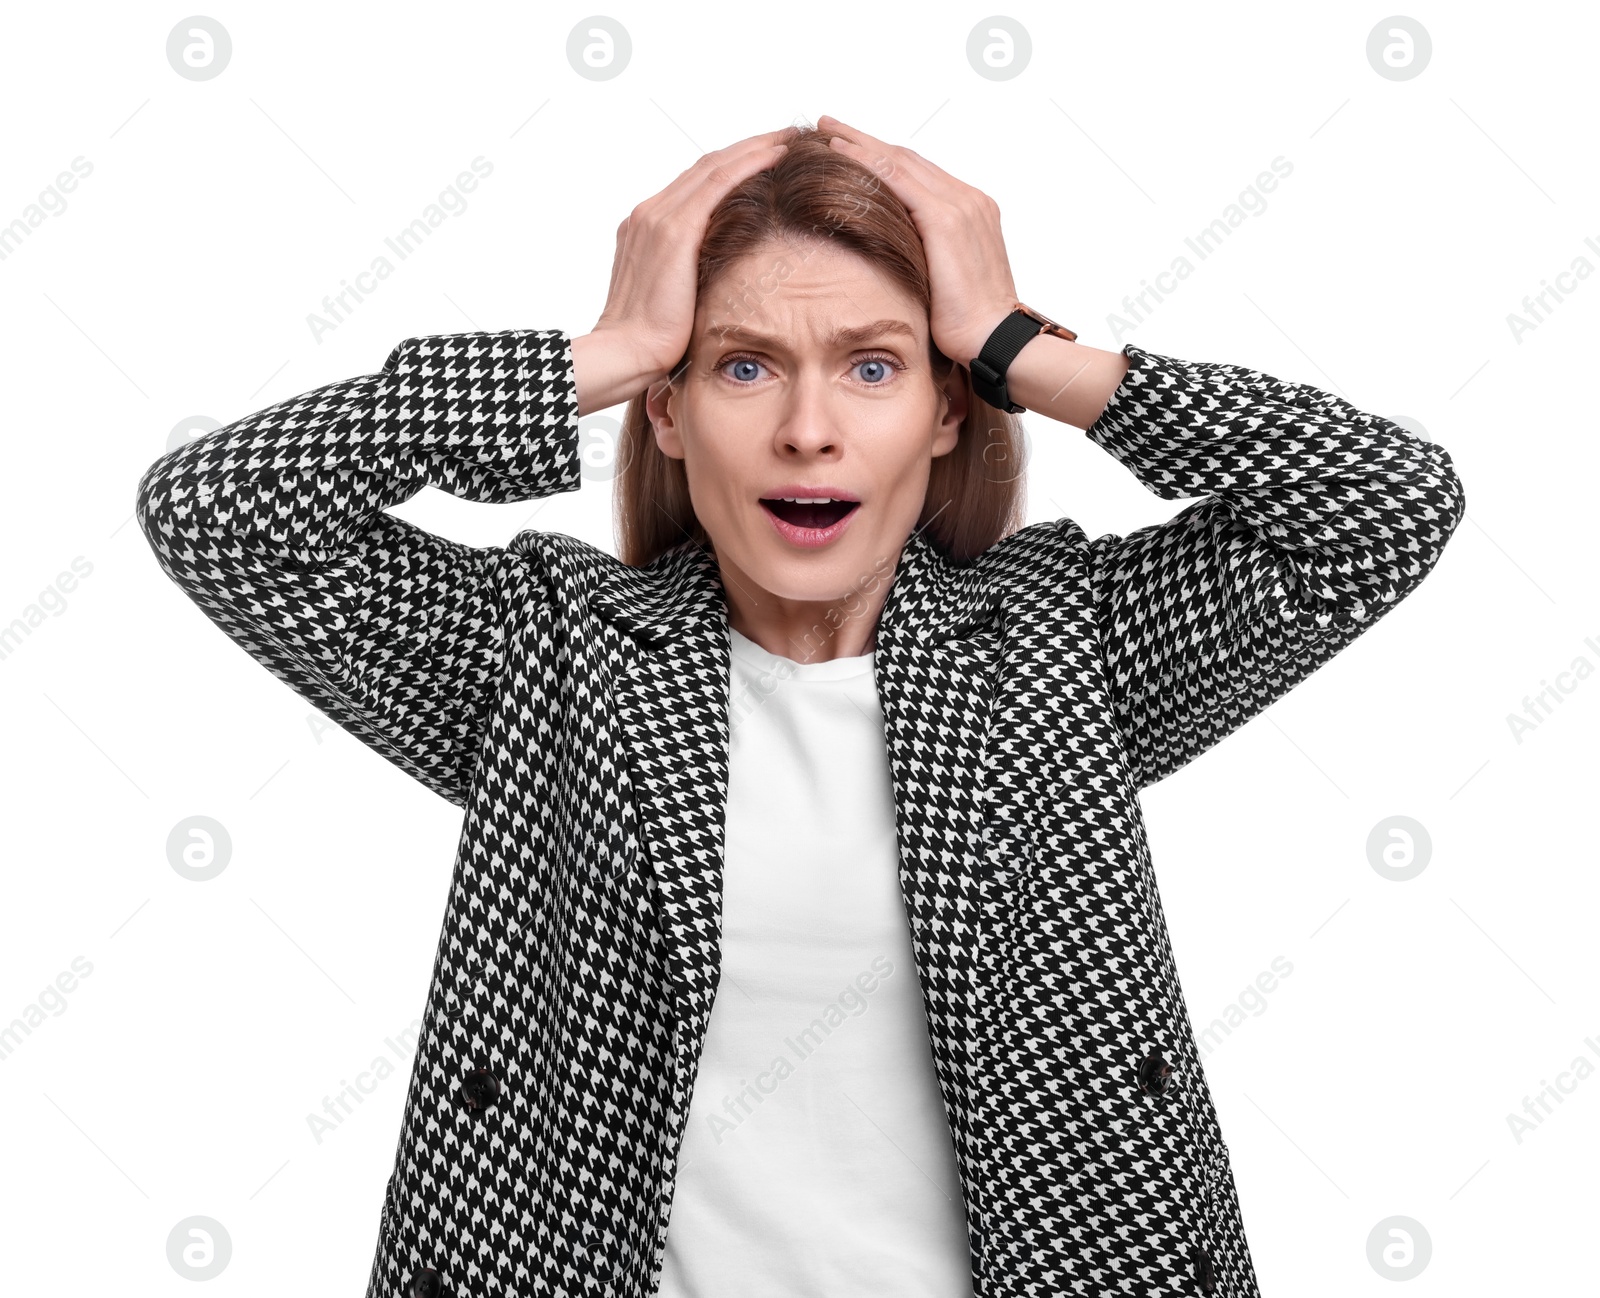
x=776, y=401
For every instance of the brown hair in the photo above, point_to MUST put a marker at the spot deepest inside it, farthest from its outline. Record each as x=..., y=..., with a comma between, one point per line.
x=974, y=495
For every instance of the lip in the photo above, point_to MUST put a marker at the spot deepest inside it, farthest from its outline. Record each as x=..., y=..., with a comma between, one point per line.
x=801, y=489
x=810, y=538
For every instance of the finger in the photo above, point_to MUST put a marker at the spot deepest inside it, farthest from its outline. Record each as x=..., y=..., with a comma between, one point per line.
x=739, y=159
x=833, y=126
x=765, y=146
x=856, y=135
x=703, y=187
x=916, y=191
x=783, y=135
x=883, y=157
x=736, y=154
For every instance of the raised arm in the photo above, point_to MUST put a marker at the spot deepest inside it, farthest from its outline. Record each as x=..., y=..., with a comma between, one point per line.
x=1316, y=520
x=275, y=526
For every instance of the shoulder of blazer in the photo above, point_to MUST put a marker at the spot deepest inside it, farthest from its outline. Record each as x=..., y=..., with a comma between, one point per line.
x=1034, y=554
x=679, y=588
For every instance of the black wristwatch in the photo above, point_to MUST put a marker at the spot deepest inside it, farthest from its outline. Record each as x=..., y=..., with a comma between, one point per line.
x=1010, y=336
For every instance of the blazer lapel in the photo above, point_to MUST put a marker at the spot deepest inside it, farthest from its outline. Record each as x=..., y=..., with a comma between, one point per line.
x=935, y=653
x=672, y=706
x=938, y=655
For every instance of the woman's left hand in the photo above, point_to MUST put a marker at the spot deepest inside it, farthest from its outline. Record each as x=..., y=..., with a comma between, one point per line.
x=973, y=290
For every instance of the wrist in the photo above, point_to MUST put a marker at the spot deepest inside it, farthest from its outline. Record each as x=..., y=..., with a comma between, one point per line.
x=997, y=356
x=986, y=322
x=609, y=369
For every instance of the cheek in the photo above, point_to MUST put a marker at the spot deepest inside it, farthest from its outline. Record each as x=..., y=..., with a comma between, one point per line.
x=911, y=455
x=718, y=464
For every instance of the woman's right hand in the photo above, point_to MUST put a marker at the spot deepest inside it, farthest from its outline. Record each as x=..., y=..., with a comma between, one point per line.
x=649, y=313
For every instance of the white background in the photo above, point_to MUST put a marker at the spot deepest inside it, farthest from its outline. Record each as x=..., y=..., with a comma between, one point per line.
x=1375, y=1079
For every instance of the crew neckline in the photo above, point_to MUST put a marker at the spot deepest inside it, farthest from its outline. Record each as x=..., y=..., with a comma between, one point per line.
x=831, y=669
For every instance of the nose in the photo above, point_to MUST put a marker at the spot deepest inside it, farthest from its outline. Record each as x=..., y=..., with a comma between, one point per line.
x=808, y=425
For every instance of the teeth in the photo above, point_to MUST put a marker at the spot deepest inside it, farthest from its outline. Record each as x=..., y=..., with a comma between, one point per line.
x=808, y=500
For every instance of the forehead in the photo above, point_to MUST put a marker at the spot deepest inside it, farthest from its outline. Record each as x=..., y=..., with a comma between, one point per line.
x=806, y=291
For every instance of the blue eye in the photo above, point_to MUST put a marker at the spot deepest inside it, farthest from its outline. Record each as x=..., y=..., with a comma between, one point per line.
x=743, y=368
x=886, y=366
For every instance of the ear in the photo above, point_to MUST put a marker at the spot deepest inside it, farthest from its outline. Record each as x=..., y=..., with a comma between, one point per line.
x=657, y=404
x=952, y=411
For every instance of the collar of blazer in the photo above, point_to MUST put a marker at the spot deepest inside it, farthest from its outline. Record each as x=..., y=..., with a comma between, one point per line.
x=681, y=592
x=936, y=649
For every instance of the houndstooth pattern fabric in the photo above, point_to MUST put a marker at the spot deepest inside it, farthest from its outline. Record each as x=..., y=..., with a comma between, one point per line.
x=576, y=710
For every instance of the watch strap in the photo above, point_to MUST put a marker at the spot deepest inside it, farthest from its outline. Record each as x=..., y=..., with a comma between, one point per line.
x=988, y=368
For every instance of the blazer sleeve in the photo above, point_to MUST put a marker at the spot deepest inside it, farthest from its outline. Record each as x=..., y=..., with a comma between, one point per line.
x=1316, y=520
x=275, y=526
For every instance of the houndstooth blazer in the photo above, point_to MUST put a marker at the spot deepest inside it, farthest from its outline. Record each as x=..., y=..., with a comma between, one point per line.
x=575, y=709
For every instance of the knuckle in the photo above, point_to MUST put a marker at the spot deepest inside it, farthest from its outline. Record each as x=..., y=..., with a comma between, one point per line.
x=974, y=204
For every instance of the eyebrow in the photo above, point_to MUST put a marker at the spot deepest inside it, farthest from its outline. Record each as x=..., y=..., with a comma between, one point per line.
x=844, y=336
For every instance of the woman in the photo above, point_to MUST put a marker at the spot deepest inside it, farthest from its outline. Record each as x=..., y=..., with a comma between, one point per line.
x=803, y=902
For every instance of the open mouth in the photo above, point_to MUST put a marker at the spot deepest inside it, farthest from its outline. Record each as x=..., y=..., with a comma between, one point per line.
x=810, y=523
x=810, y=514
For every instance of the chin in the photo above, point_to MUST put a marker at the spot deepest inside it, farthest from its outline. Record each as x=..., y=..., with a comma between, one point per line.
x=825, y=575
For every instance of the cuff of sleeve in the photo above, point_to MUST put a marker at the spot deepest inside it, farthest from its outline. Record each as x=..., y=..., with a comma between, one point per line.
x=506, y=400
x=1148, y=414
x=1145, y=368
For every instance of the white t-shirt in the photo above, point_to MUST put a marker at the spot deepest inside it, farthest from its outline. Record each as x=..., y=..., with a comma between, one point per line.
x=817, y=1162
